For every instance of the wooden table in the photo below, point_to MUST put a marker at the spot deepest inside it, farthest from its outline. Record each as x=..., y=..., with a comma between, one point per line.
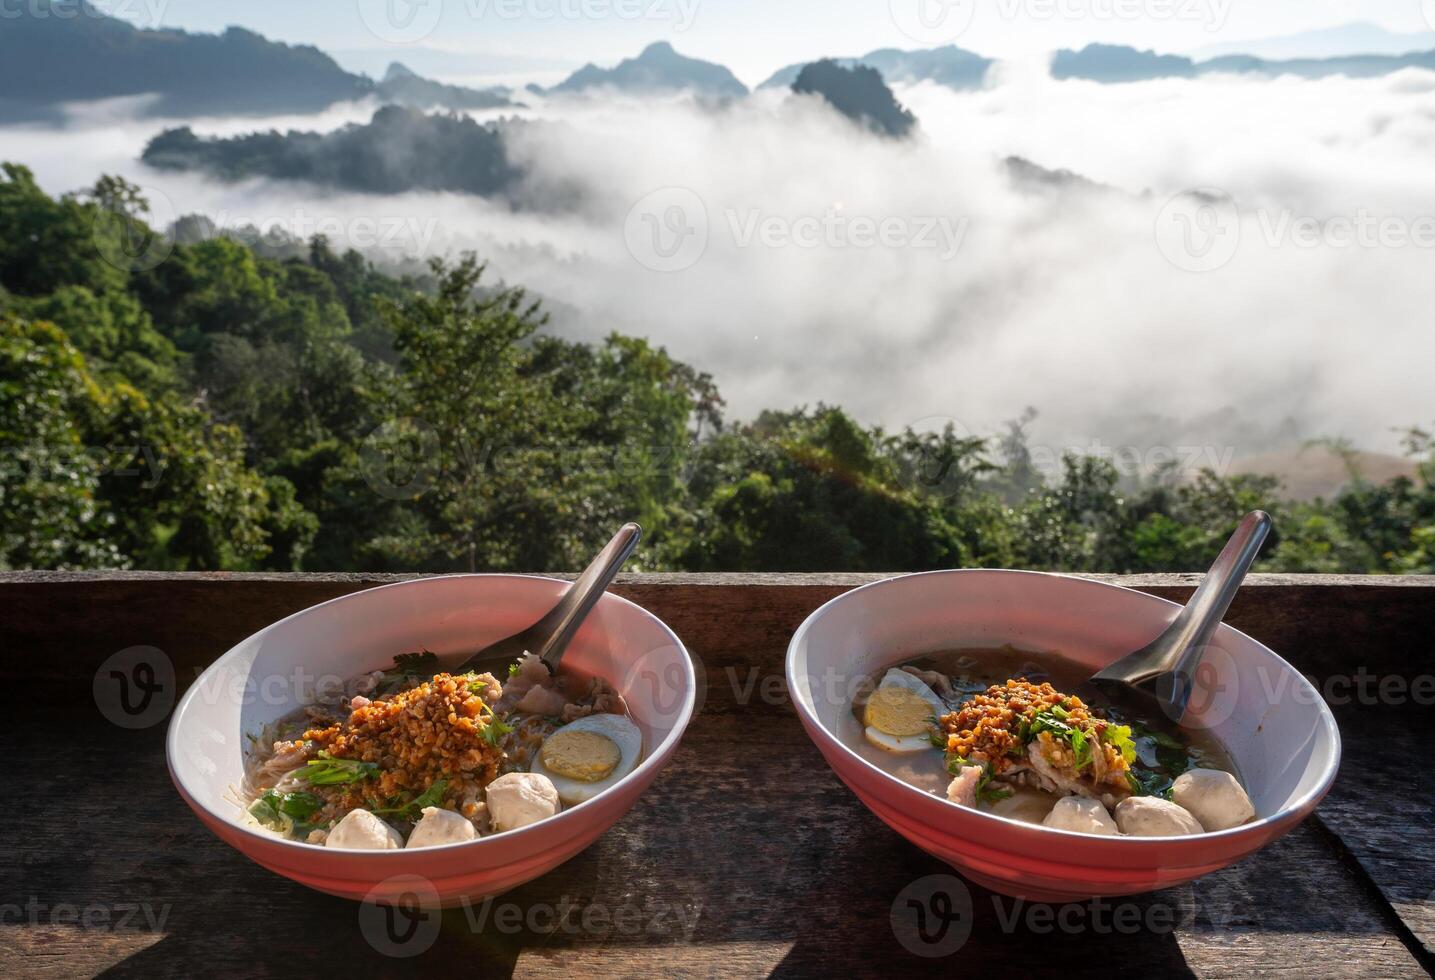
x=746, y=858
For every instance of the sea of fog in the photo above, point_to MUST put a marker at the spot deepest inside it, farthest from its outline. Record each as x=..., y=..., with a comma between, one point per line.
x=802, y=260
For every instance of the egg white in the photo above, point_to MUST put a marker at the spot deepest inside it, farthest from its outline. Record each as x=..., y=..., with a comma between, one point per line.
x=620, y=731
x=906, y=744
x=899, y=744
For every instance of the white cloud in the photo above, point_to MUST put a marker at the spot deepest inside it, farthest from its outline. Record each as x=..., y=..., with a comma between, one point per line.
x=1063, y=302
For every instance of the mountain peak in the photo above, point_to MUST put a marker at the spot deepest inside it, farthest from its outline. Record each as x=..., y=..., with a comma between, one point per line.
x=658, y=68
x=859, y=93
x=403, y=86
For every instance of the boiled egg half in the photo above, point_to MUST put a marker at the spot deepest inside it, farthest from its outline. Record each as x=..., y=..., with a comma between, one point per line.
x=900, y=715
x=587, y=756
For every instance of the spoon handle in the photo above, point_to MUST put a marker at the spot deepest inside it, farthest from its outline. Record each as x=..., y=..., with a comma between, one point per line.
x=562, y=622
x=1170, y=660
x=1184, y=641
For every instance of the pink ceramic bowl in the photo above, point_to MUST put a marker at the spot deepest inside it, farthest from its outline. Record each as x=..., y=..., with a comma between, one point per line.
x=276, y=669
x=1271, y=720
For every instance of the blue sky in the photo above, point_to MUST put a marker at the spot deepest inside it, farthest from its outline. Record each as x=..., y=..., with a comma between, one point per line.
x=754, y=37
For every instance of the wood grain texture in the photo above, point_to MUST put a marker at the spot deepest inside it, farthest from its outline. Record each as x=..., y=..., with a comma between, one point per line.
x=1382, y=810
x=64, y=624
x=700, y=879
x=746, y=858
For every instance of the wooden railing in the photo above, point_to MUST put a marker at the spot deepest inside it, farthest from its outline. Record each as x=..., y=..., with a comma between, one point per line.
x=746, y=857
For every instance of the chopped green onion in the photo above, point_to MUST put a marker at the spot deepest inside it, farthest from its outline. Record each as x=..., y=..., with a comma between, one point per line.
x=329, y=772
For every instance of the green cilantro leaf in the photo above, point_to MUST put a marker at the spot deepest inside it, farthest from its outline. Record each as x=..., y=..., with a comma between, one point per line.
x=433, y=796
x=418, y=666
x=494, y=731
x=1119, y=737
x=300, y=805
x=1144, y=782
x=287, y=813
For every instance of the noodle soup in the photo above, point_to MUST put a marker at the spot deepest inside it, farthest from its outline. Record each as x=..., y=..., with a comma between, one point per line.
x=992, y=729
x=414, y=757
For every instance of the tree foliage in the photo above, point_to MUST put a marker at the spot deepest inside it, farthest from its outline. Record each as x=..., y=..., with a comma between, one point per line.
x=247, y=405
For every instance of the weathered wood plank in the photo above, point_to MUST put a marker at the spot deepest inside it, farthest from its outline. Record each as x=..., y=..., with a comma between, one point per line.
x=766, y=579
x=65, y=624
x=1383, y=810
x=701, y=879
x=808, y=890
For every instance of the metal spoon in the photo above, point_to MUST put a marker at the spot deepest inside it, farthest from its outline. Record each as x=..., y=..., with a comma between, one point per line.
x=550, y=636
x=1166, y=667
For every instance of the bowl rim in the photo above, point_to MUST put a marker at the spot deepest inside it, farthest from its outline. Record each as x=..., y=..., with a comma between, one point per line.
x=1255, y=828
x=656, y=757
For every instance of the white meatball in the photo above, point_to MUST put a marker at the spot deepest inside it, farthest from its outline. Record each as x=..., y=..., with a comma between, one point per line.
x=360, y=830
x=440, y=826
x=963, y=789
x=1082, y=815
x=1151, y=816
x=518, y=799
x=1214, y=797
x=1026, y=805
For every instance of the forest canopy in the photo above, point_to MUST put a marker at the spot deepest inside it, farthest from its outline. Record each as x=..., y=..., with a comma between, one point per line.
x=230, y=407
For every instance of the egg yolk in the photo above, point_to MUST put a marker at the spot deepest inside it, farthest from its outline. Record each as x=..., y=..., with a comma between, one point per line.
x=584, y=756
x=898, y=711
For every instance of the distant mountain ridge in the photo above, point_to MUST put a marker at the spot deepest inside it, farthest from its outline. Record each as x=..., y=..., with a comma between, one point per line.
x=1116, y=63
x=399, y=150
x=67, y=51
x=963, y=70
x=401, y=86
x=658, y=68
x=1344, y=40
x=950, y=65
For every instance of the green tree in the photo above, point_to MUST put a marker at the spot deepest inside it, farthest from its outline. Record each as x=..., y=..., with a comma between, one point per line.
x=98, y=475
x=51, y=514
